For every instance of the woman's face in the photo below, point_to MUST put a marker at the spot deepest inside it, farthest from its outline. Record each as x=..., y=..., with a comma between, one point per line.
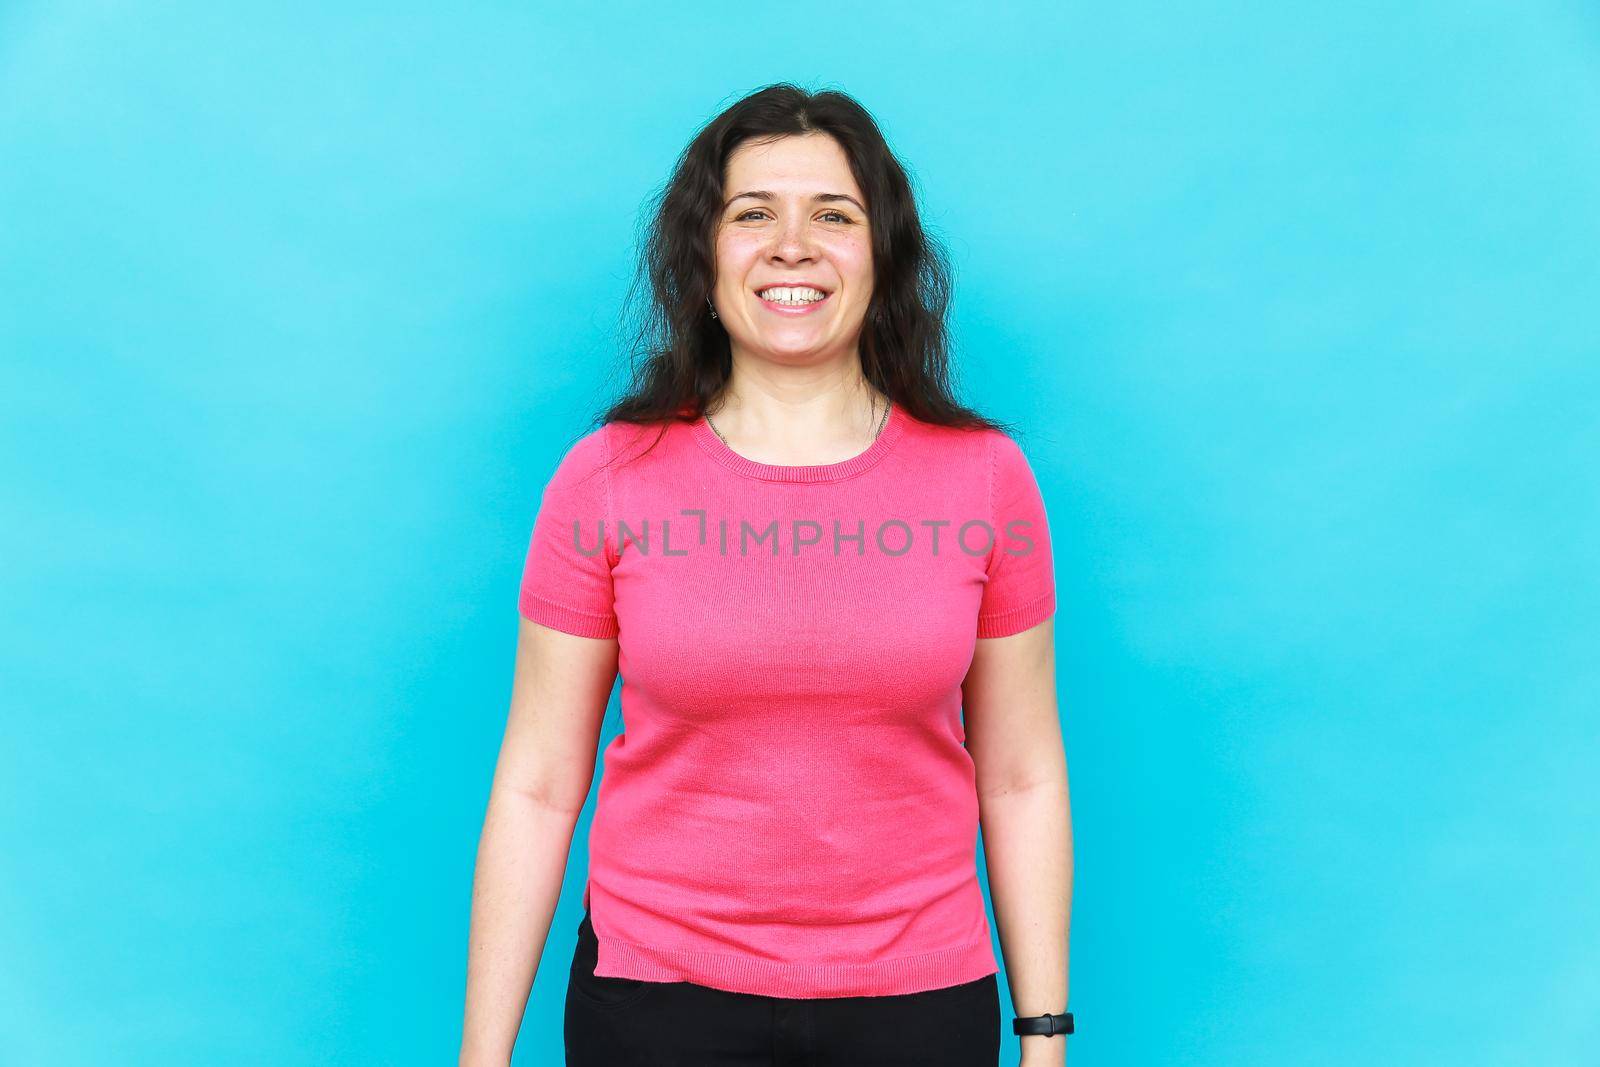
x=792, y=216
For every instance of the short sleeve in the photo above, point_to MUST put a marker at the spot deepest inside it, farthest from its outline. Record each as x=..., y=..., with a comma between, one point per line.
x=566, y=577
x=1020, y=590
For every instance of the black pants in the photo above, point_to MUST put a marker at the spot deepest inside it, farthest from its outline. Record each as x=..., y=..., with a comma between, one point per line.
x=624, y=1022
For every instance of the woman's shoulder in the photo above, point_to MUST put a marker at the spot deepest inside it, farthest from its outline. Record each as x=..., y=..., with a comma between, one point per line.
x=953, y=442
x=584, y=460
x=988, y=456
x=615, y=440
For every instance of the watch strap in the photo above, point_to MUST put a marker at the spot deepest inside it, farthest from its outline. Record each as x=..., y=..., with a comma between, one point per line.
x=1048, y=1025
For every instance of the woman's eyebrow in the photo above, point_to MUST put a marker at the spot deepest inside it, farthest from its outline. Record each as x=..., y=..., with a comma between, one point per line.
x=821, y=198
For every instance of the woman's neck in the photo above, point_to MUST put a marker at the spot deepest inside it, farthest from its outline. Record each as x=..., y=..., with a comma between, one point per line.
x=801, y=425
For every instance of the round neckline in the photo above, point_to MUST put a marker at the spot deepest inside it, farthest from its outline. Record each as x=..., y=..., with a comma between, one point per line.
x=718, y=449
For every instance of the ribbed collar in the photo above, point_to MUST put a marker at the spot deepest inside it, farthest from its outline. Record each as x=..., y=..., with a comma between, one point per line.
x=820, y=472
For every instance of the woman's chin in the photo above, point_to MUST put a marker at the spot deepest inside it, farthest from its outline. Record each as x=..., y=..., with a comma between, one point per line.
x=794, y=350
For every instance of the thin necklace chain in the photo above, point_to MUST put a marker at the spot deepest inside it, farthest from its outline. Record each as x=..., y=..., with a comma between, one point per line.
x=883, y=421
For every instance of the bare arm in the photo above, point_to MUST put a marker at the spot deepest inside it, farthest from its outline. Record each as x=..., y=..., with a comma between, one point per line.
x=559, y=692
x=1014, y=736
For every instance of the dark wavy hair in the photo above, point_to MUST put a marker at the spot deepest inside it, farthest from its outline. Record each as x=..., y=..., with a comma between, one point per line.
x=680, y=356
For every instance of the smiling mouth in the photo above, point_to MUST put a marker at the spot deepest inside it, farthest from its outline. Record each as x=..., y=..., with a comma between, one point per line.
x=792, y=296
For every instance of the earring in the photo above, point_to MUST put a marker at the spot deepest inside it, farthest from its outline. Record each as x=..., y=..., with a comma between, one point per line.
x=712, y=306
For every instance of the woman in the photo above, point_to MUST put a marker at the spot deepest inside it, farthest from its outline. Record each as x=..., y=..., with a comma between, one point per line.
x=807, y=561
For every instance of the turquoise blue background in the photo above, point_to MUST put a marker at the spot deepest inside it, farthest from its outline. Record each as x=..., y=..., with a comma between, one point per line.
x=1294, y=303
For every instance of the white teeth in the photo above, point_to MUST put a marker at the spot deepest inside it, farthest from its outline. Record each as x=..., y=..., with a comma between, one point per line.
x=793, y=295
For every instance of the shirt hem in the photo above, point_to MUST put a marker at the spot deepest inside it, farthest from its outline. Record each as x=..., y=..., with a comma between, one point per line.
x=1006, y=623
x=568, y=620
x=738, y=974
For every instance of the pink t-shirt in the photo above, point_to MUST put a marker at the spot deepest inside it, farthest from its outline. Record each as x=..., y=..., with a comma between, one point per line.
x=790, y=809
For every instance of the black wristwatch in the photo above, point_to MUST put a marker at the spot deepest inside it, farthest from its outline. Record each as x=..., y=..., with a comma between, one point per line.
x=1048, y=1025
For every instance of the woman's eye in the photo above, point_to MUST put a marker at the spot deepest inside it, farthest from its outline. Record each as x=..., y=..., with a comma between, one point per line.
x=757, y=211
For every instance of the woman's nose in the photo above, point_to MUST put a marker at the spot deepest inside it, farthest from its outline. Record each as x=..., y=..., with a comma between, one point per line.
x=793, y=241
